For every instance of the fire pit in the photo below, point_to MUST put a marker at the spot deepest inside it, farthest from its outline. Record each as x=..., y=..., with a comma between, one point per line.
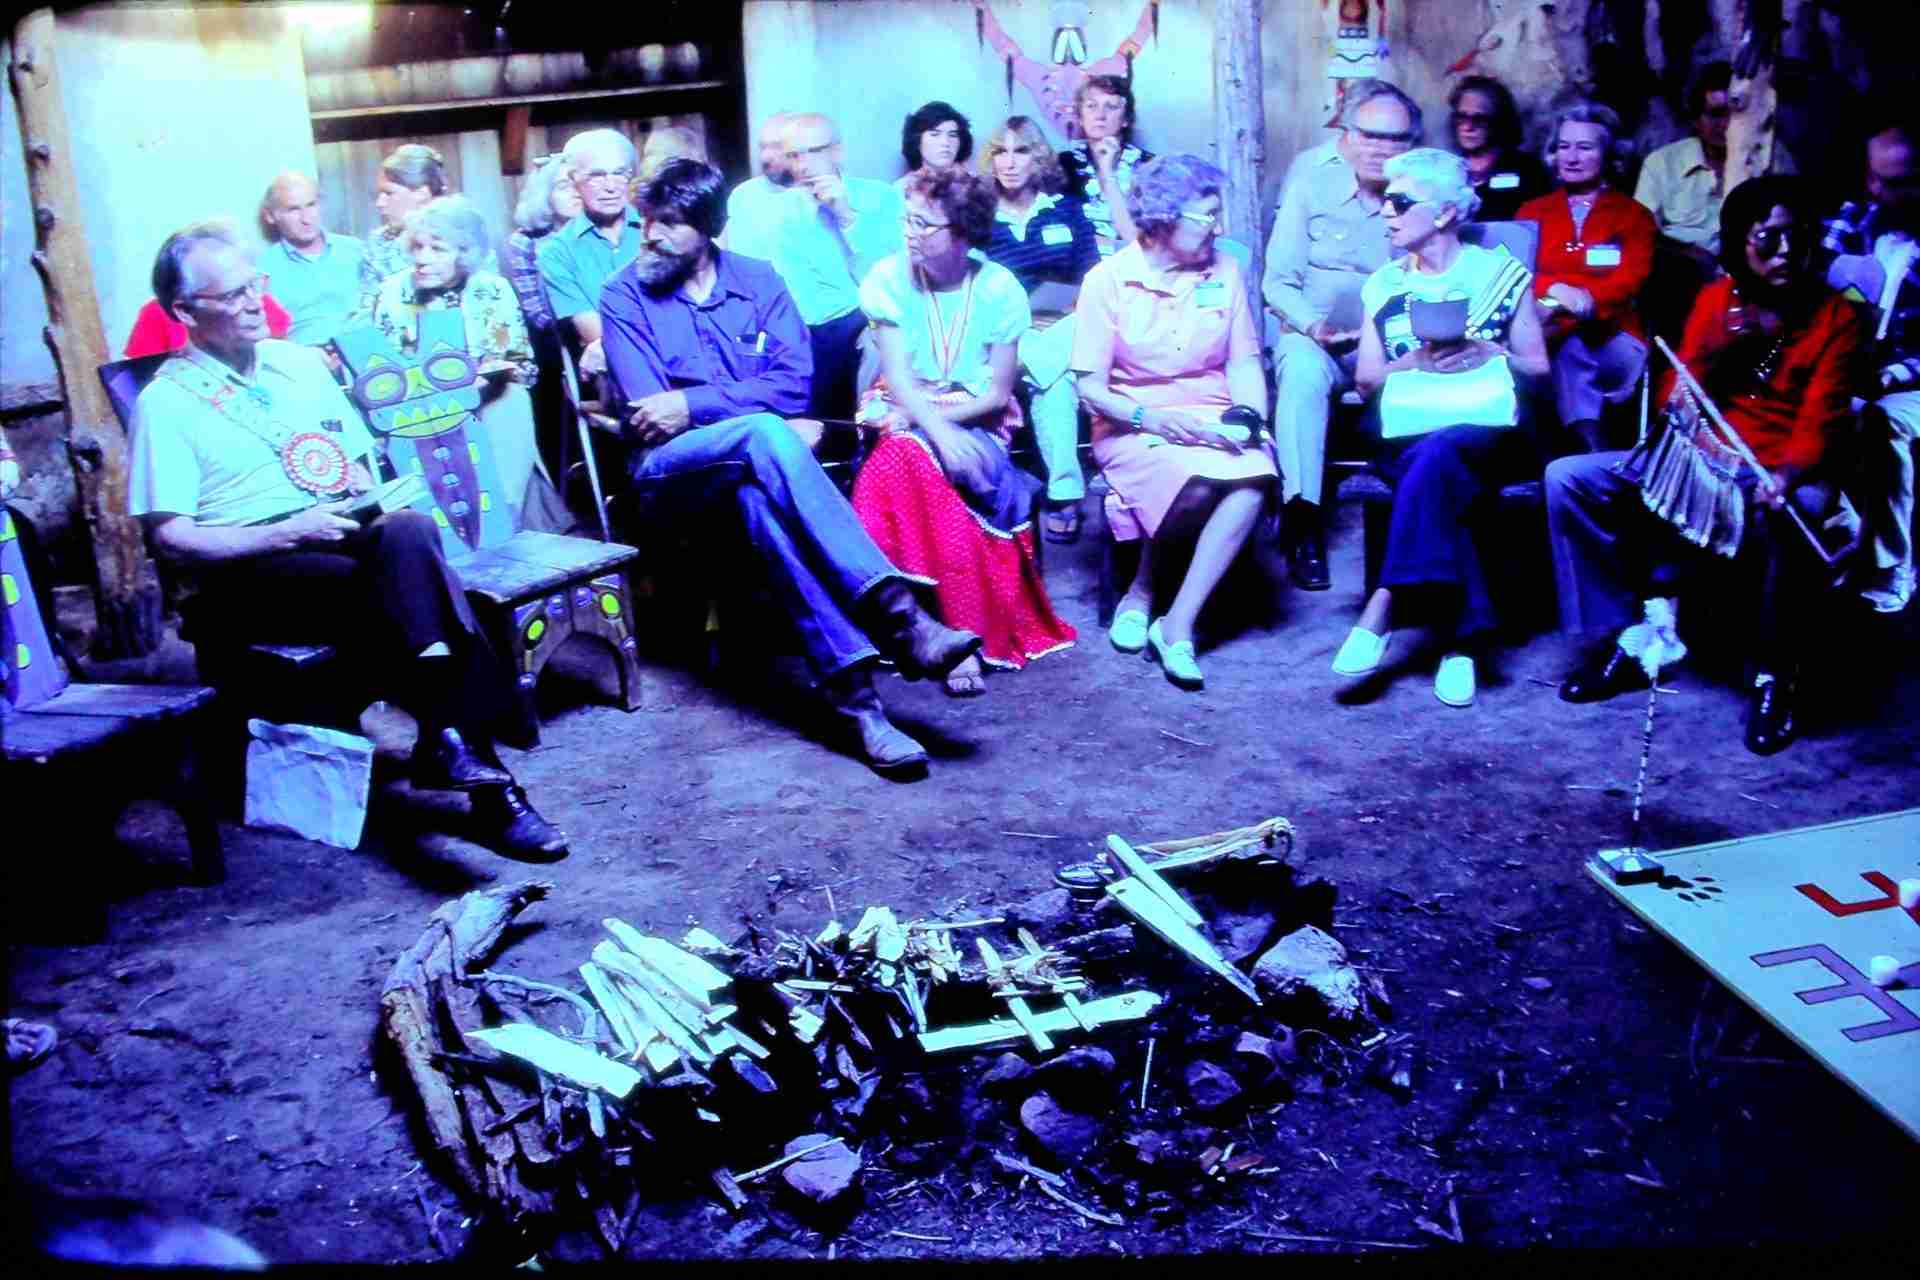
x=1096, y=1041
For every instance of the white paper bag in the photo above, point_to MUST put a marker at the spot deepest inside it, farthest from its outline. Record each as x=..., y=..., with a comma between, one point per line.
x=310, y=781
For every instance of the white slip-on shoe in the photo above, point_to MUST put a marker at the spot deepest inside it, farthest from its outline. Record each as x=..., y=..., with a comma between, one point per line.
x=1361, y=653
x=1453, y=682
x=1129, y=630
x=1176, y=659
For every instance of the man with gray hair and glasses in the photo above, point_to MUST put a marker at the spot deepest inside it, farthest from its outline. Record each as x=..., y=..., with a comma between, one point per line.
x=578, y=259
x=246, y=455
x=1328, y=237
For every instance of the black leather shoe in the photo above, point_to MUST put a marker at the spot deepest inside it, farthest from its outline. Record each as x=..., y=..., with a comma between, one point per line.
x=1770, y=717
x=442, y=761
x=1307, y=560
x=511, y=827
x=919, y=647
x=1602, y=677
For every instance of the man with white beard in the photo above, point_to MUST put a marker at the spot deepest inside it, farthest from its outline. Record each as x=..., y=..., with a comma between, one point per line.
x=707, y=350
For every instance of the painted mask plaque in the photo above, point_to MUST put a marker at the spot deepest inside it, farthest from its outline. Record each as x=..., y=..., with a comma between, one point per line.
x=423, y=407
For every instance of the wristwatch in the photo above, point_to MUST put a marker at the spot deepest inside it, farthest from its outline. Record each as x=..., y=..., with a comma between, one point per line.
x=1139, y=418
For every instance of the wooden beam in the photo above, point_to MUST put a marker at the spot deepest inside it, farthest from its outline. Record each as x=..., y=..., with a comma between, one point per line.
x=1751, y=99
x=1241, y=123
x=511, y=100
x=126, y=590
x=513, y=140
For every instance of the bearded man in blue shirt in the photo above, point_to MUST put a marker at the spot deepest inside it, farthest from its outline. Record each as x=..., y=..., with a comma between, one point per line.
x=708, y=352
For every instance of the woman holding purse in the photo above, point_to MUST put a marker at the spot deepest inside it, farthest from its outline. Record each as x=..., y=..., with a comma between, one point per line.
x=1447, y=404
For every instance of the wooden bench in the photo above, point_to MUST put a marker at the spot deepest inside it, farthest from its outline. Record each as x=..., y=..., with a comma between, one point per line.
x=81, y=751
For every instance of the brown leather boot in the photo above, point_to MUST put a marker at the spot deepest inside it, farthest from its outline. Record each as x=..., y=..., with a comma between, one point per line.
x=857, y=706
x=917, y=645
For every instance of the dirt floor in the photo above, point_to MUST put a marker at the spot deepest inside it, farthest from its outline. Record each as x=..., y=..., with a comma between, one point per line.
x=217, y=1050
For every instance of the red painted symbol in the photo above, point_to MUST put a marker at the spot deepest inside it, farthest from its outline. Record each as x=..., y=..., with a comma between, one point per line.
x=1890, y=897
x=1853, y=983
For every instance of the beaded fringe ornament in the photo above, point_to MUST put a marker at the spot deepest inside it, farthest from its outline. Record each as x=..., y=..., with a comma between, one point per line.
x=1690, y=479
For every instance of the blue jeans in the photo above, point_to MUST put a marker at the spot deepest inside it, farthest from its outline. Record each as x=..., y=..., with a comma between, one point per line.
x=818, y=557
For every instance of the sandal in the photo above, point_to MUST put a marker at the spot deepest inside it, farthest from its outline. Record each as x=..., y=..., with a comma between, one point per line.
x=28, y=1043
x=1061, y=523
x=961, y=683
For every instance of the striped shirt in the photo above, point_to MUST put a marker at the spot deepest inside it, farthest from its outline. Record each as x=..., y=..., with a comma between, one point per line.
x=1055, y=243
x=1492, y=282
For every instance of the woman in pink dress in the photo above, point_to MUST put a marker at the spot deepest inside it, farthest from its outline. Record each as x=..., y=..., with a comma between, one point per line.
x=1166, y=345
x=938, y=493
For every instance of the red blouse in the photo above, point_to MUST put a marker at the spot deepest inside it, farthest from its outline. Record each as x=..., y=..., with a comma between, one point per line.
x=1787, y=419
x=1615, y=220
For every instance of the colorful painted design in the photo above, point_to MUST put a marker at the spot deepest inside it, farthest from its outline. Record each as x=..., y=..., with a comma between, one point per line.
x=423, y=404
x=29, y=673
x=1791, y=923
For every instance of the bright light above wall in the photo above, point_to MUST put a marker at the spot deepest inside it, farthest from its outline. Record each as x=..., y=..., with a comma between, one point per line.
x=332, y=19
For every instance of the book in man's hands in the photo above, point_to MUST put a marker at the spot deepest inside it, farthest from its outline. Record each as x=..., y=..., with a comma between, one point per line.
x=392, y=495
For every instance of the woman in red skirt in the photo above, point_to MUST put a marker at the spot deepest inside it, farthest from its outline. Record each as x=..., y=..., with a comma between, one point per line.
x=938, y=492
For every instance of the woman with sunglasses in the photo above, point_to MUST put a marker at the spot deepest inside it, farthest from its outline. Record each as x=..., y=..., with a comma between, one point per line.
x=1486, y=132
x=1166, y=348
x=1596, y=252
x=938, y=493
x=1431, y=570
x=1775, y=349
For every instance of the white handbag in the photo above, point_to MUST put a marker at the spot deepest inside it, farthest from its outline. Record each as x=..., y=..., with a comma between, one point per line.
x=1414, y=402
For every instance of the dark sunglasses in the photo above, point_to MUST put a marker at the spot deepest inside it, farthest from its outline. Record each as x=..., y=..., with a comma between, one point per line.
x=1383, y=139
x=1769, y=241
x=1398, y=202
x=1478, y=120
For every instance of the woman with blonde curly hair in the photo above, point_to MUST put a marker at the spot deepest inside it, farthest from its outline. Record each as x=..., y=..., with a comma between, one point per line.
x=1045, y=239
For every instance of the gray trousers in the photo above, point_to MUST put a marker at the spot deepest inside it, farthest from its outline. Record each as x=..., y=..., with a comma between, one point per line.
x=1610, y=553
x=1306, y=381
x=1587, y=378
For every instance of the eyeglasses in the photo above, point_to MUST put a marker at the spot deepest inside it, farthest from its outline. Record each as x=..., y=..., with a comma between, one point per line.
x=1205, y=221
x=919, y=226
x=1472, y=119
x=1768, y=242
x=600, y=177
x=1398, y=202
x=1382, y=139
x=234, y=297
x=801, y=153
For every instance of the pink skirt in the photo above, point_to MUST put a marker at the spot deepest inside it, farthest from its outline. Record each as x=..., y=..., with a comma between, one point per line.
x=1146, y=473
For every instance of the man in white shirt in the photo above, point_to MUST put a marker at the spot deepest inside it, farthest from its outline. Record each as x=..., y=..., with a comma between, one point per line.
x=245, y=457
x=752, y=208
x=830, y=232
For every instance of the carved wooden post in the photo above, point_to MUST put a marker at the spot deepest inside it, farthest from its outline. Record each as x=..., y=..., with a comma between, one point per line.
x=126, y=590
x=1241, y=119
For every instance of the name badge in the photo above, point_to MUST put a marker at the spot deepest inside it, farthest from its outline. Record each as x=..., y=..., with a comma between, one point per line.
x=1210, y=295
x=1504, y=181
x=1603, y=255
x=1056, y=234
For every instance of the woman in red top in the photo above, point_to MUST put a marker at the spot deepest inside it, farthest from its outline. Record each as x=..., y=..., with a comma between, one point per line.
x=1596, y=249
x=1776, y=351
